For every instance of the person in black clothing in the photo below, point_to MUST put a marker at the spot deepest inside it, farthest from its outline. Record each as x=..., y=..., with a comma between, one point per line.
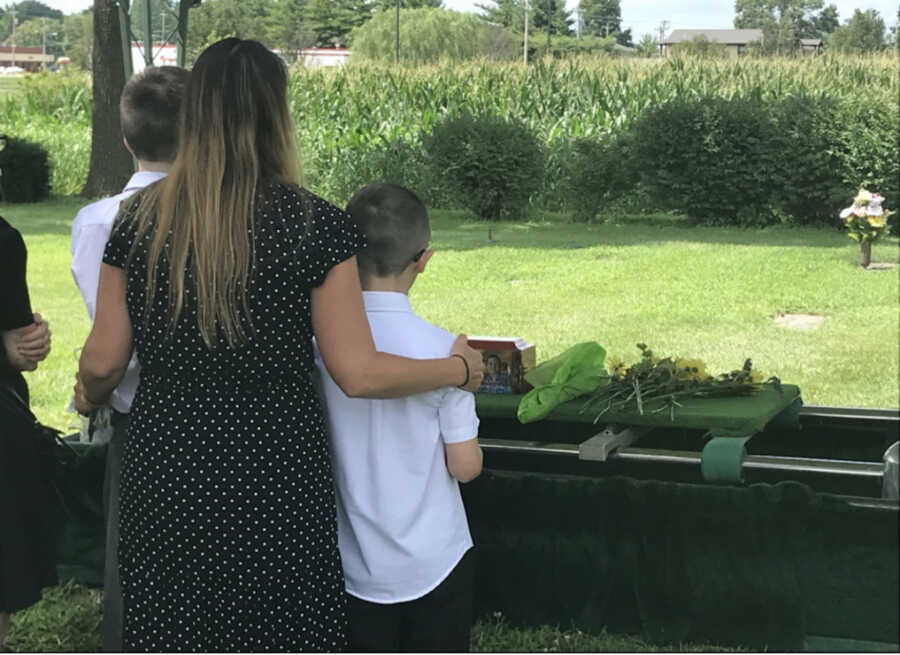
x=26, y=554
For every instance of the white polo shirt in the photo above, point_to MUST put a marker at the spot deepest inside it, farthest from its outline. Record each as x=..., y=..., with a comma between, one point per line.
x=90, y=232
x=401, y=522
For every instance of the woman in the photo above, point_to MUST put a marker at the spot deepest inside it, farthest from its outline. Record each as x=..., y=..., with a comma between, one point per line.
x=228, y=538
x=27, y=563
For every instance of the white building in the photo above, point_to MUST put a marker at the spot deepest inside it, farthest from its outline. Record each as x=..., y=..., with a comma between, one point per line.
x=164, y=54
x=324, y=57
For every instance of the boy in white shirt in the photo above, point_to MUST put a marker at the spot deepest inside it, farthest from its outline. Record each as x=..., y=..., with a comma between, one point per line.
x=402, y=528
x=148, y=111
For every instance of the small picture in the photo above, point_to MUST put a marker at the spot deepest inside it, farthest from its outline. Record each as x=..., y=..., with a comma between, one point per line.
x=506, y=360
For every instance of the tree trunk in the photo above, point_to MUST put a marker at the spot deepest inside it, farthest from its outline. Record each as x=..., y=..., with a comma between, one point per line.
x=111, y=163
x=865, y=253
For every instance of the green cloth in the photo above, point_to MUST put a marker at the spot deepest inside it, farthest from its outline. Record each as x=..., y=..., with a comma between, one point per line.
x=761, y=566
x=578, y=371
x=723, y=417
x=723, y=459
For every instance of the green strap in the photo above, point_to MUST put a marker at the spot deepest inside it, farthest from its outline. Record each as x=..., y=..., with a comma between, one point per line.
x=723, y=459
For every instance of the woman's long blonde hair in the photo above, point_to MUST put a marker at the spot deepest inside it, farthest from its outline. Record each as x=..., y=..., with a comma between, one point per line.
x=235, y=131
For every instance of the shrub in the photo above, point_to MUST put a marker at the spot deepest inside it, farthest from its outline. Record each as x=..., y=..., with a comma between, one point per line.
x=398, y=162
x=491, y=165
x=598, y=172
x=806, y=146
x=870, y=151
x=25, y=171
x=710, y=159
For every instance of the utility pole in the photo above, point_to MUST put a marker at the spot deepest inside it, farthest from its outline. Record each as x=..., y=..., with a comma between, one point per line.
x=163, y=36
x=397, y=36
x=12, y=12
x=549, y=23
x=663, y=26
x=525, y=47
x=43, y=36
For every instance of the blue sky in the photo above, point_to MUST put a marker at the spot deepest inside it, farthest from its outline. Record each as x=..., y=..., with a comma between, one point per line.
x=643, y=16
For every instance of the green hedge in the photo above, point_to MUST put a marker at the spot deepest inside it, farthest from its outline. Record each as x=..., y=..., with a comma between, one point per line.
x=24, y=171
x=745, y=162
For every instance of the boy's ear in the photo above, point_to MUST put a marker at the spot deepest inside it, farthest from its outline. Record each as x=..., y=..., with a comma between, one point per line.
x=127, y=147
x=423, y=261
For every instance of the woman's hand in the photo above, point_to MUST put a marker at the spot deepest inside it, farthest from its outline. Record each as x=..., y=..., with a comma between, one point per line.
x=26, y=346
x=82, y=404
x=473, y=359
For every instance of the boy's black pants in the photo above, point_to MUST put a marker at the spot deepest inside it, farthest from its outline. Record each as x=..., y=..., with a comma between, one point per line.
x=439, y=621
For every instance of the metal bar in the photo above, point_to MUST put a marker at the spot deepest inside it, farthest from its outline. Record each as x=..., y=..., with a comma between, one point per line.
x=148, y=33
x=872, y=503
x=810, y=465
x=854, y=413
x=874, y=470
x=528, y=447
x=125, y=33
x=181, y=38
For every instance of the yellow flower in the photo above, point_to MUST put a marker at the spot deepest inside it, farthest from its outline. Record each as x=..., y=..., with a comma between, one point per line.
x=862, y=198
x=877, y=221
x=615, y=366
x=691, y=369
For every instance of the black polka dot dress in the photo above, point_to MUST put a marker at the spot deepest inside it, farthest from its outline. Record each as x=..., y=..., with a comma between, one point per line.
x=228, y=534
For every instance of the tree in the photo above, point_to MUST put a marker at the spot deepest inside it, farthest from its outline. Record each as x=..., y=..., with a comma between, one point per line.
x=783, y=22
x=428, y=34
x=825, y=23
x=213, y=21
x=511, y=14
x=647, y=46
x=111, y=165
x=600, y=17
x=382, y=5
x=331, y=21
x=35, y=32
x=286, y=27
x=24, y=11
x=78, y=38
x=863, y=32
x=160, y=27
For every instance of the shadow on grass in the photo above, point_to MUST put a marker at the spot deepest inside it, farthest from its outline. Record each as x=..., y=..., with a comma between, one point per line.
x=459, y=231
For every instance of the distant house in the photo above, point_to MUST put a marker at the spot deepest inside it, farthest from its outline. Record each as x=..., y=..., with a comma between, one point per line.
x=810, y=46
x=324, y=57
x=735, y=41
x=24, y=57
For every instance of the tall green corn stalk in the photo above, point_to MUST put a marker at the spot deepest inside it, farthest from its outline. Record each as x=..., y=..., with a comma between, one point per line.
x=346, y=116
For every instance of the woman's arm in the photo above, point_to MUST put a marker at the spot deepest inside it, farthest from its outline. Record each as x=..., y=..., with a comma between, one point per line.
x=345, y=342
x=105, y=356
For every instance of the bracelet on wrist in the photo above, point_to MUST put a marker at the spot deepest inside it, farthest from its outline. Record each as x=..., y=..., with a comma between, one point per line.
x=466, y=364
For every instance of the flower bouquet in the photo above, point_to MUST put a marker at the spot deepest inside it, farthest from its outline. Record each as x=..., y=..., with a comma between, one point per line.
x=866, y=222
x=663, y=382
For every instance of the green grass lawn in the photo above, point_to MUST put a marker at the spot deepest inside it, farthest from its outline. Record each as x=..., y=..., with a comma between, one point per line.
x=68, y=620
x=700, y=292
x=696, y=292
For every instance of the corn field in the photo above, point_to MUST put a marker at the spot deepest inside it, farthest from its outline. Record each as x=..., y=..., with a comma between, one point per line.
x=352, y=120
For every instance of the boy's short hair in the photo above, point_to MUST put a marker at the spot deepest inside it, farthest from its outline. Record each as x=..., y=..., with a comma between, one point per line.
x=148, y=112
x=395, y=223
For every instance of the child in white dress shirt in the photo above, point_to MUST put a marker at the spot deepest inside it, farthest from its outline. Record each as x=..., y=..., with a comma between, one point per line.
x=402, y=529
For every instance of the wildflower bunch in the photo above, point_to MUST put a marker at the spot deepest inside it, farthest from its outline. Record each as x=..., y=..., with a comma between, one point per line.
x=866, y=219
x=663, y=382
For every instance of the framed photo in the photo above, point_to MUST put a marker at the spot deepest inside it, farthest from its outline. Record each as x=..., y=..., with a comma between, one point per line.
x=506, y=360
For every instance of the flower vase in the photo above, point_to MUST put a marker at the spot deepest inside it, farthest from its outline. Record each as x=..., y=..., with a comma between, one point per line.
x=865, y=253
